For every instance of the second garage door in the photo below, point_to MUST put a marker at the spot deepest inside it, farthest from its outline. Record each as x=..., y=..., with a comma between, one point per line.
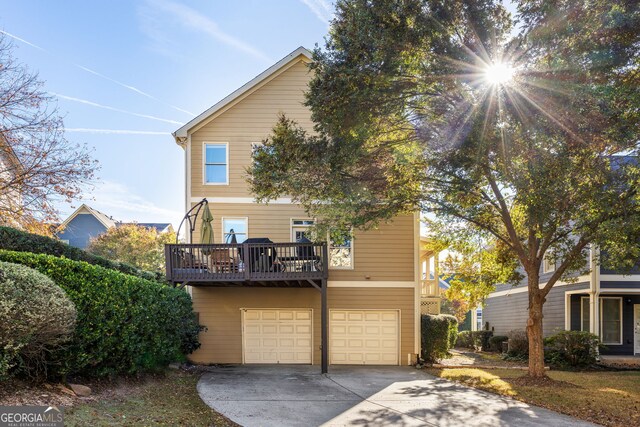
x=363, y=337
x=277, y=336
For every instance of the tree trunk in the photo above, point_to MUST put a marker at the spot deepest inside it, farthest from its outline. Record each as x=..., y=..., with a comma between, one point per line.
x=534, y=328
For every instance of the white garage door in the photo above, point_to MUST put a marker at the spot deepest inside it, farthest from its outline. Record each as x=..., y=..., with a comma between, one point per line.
x=363, y=337
x=277, y=336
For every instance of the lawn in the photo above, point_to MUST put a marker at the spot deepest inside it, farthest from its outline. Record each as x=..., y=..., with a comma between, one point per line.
x=170, y=399
x=610, y=398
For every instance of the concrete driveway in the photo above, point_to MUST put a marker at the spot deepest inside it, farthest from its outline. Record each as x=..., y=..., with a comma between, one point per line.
x=360, y=396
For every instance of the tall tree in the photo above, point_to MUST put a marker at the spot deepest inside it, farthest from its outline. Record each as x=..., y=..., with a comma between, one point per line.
x=133, y=244
x=509, y=136
x=38, y=166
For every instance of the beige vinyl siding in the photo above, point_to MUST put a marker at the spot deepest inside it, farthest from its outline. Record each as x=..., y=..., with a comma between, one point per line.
x=219, y=311
x=249, y=120
x=384, y=254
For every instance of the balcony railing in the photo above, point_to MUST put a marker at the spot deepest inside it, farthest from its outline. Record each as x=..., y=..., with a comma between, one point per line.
x=245, y=262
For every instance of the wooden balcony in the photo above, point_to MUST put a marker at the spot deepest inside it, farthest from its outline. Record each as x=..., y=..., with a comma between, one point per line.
x=247, y=264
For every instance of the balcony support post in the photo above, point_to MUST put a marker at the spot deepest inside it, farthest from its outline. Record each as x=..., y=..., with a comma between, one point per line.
x=324, y=332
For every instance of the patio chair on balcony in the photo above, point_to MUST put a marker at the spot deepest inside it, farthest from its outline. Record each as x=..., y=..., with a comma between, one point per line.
x=186, y=260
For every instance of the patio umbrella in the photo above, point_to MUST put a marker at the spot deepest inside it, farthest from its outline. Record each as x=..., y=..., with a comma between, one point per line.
x=206, y=230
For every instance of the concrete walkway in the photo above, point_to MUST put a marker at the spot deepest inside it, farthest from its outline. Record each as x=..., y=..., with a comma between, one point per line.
x=360, y=396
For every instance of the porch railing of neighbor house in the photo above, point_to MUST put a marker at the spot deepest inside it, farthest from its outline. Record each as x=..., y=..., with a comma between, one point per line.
x=245, y=262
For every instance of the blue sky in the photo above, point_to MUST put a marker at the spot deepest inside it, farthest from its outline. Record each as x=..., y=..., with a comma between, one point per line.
x=127, y=73
x=149, y=62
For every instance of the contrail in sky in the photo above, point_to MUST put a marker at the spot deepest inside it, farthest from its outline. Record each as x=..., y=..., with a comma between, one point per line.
x=95, y=73
x=106, y=107
x=116, y=131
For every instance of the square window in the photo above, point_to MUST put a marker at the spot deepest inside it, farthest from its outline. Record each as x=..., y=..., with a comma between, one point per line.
x=235, y=226
x=215, y=166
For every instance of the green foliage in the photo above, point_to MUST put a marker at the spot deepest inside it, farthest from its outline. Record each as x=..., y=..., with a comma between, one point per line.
x=16, y=240
x=572, y=349
x=134, y=245
x=439, y=334
x=473, y=269
x=518, y=344
x=125, y=324
x=475, y=340
x=406, y=119
x=36, y=319
x=465, y=340
x=495, y=342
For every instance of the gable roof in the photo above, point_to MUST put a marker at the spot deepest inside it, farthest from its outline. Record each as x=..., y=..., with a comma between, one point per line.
x=159, y=227
x=242, y=91
x=103, y=218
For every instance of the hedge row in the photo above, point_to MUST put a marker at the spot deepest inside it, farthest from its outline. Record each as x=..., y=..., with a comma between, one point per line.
x=125, y=324
x=16, y=240
x=439, y=333
x=476, y=340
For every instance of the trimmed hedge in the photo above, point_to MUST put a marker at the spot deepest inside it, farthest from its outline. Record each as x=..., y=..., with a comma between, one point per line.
x=439, y=334
x=36, y=319
x=475, y=340
x=572, y=349
x=21, y=241
x=518, y=344
x=125, y=324
x=495, y=342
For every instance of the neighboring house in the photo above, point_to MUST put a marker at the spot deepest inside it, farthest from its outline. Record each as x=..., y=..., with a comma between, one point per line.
x=87, y=223
x=602, y=302
x=357, y=302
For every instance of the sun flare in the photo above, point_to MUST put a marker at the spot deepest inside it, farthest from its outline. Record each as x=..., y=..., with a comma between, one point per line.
x=499, y=73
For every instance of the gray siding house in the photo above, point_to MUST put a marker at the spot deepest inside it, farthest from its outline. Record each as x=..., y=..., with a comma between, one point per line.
x=86, y=223
x=602, y=302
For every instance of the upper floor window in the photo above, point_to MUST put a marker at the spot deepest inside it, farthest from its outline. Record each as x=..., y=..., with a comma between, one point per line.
x=237, y=228
x=341, y=252
x=549, y=262
x=216, y=164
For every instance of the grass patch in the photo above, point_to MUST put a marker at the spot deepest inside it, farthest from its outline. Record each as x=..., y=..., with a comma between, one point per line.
x=170, y=399
x=606, y=397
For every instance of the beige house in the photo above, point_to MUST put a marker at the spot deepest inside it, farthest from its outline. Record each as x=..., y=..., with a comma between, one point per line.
x=287, y=302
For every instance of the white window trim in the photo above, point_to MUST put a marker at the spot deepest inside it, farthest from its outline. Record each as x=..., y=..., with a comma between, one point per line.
x=547, y=266
x=204, y=162
x=245, y=218
x=582, y=313
x=353, y=256
x=292, y=225
x=602, y=321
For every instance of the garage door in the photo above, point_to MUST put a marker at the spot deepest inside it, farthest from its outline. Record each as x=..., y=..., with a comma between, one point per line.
x=277, y=336
x=363, y=337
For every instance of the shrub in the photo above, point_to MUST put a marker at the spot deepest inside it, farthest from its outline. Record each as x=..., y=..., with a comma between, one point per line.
x=518, y=344
x=495, y=342
x=16, y=240
x=572, y=349
x=453, y=328
x=125, y=324
x=438, y=336
x=481, y=339
x=465, y=340
x=36, y=318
